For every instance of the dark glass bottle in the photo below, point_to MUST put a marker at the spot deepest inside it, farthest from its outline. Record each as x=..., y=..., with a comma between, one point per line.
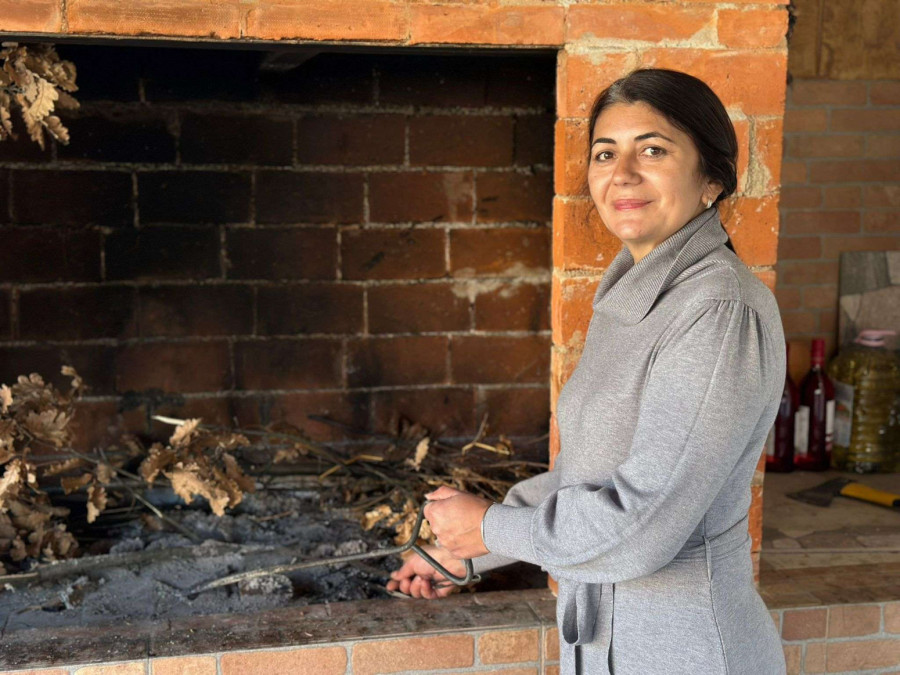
x=780, y=444
x=814, y=426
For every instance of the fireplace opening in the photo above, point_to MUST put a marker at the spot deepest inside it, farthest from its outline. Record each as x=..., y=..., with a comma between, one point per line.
x=352, y=249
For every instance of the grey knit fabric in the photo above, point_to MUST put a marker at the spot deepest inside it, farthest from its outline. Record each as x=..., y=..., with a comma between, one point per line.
x=643, y=521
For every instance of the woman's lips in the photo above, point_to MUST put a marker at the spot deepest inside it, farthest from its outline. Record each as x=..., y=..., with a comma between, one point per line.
x=629, y=204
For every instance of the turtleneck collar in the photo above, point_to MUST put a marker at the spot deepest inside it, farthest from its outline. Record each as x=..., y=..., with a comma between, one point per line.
x=628, y=291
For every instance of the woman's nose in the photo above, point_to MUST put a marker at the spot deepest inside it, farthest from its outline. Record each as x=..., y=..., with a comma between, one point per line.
x=626, y=171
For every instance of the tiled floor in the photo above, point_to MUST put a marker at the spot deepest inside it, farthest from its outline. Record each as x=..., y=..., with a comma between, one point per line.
x=846, y=552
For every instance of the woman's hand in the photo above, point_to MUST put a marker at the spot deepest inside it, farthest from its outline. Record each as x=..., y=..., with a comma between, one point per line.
x=455, y=518
x=416, y=577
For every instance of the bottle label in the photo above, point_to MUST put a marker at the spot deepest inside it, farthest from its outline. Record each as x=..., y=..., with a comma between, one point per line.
x=801, y=431
x=843, y=413
x=770, y=442
x=829, y=424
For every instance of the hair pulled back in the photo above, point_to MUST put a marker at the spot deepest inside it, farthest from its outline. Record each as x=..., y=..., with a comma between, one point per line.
x=688, y=104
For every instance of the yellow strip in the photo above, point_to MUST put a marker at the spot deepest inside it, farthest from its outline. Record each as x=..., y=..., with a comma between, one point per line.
x=860, y=491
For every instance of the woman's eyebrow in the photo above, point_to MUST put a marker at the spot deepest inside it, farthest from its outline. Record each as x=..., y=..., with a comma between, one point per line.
x=642, y=137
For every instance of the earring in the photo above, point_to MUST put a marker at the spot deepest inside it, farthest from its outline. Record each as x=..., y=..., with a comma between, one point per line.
x=709, y=203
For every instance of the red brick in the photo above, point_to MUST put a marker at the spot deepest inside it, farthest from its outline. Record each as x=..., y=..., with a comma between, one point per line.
x=309, y=308
x=853, y=620
x=882, y=195
x=793, y=655
x=828, y=92
x=185, y=665
x=497, y=359
x=39, y=16
x=759, y=91
x=865, y=120
x=581, y=78
x=742, y=131
x=516, y=411
x=828, y=322
x=393, y=253
x=71, y=197
x=194, y=197
x=883, y=145
x=508, y=646
x=439, y=81
x=842, y=197
x=351, y=409
x=551, y=644
x=174, y=367
x=801, y=273
x=884, y=93
x=309, y=661
x=832, y=247
x=788, y=297
x=892, y=617
x=752, y=28
x=854, y=655
x=399, y=197
x=570, y=158
x=753, y=230
x=798, y=248
x=767, y=276
x=444, y=411
x=800, y=197
x=385, y=362
x=814, y=660
x=534, y=139
x=793, y=172
x=820, y=297
x=417, y=308
x=637, y=22
x=234, y=138
x=483, y=24
x=421, y=653
x=755, y=516
x=35, y=672
x=199, y=311
x=514, y=197
x=514, y=306
x=804, y=624
x=799, y=322
x=372, y=20
x=580, y=239
x=572, y=309
x=66, y=254
x=163, y=253
x=805, y=119
x=881, y=221
x=288, y=364
x=281, y=253
x=77, y=313
x=768, y=151
x=820, y=222
x=357, y=140
x=826, y=145
x=288, y=197
x=129, y=668
x=503, y=251
x=193, y=18
x=454, y=140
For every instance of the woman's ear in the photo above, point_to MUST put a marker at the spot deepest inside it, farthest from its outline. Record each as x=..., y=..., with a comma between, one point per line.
x=712, y=192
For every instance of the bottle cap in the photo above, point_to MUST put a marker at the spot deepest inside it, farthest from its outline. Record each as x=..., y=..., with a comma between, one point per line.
x=817, y=353
x=873, y=338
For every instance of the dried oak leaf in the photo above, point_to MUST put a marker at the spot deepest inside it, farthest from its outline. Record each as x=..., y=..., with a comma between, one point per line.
x=50, y=426
x=286, y=455
x=157, y=460
x=187, y=483
x=421, y=453
x=183, y=433
x=104, y=473
x=235, y=473
x=96, y=502
x=71, y=484
x=63, y=466
x=371, y=518
x=11, y=483
x=58, y=543
x=6, y=398
x=69, y=371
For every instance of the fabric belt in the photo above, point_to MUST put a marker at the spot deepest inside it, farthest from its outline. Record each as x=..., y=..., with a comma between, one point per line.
x=584, y=611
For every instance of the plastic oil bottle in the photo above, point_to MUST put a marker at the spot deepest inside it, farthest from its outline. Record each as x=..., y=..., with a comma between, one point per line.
x=866, y=379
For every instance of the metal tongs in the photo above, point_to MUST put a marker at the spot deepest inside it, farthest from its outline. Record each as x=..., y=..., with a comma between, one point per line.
x=470, y=576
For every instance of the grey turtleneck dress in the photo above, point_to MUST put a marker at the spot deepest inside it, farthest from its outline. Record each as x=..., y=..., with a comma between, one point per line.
x=643, y=520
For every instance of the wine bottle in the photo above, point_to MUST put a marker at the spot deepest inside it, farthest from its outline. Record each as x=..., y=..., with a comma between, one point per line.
x=814, y=420
x=780, y=444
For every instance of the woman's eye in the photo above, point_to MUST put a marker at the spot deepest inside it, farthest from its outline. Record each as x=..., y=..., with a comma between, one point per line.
x=603, y=156
x=654, y=151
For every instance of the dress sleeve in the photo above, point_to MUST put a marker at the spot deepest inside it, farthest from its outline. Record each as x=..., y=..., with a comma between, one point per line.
x=713, y=376
x=529, y=492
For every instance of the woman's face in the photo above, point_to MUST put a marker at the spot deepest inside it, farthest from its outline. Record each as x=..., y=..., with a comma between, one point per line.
x=644, y=176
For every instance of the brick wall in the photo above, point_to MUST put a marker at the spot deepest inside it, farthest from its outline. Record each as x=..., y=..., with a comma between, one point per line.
x=840, y=174
x=360, y=237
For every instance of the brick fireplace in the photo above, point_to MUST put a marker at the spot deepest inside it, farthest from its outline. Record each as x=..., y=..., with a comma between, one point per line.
x=363, y=209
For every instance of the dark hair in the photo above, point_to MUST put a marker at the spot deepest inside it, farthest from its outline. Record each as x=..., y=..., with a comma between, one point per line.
x=690, y=105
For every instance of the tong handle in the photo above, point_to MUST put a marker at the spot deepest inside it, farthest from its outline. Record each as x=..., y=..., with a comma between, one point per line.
x=470, y=576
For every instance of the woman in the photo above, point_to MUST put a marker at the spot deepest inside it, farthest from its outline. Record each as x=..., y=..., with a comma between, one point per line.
x=643, y=521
